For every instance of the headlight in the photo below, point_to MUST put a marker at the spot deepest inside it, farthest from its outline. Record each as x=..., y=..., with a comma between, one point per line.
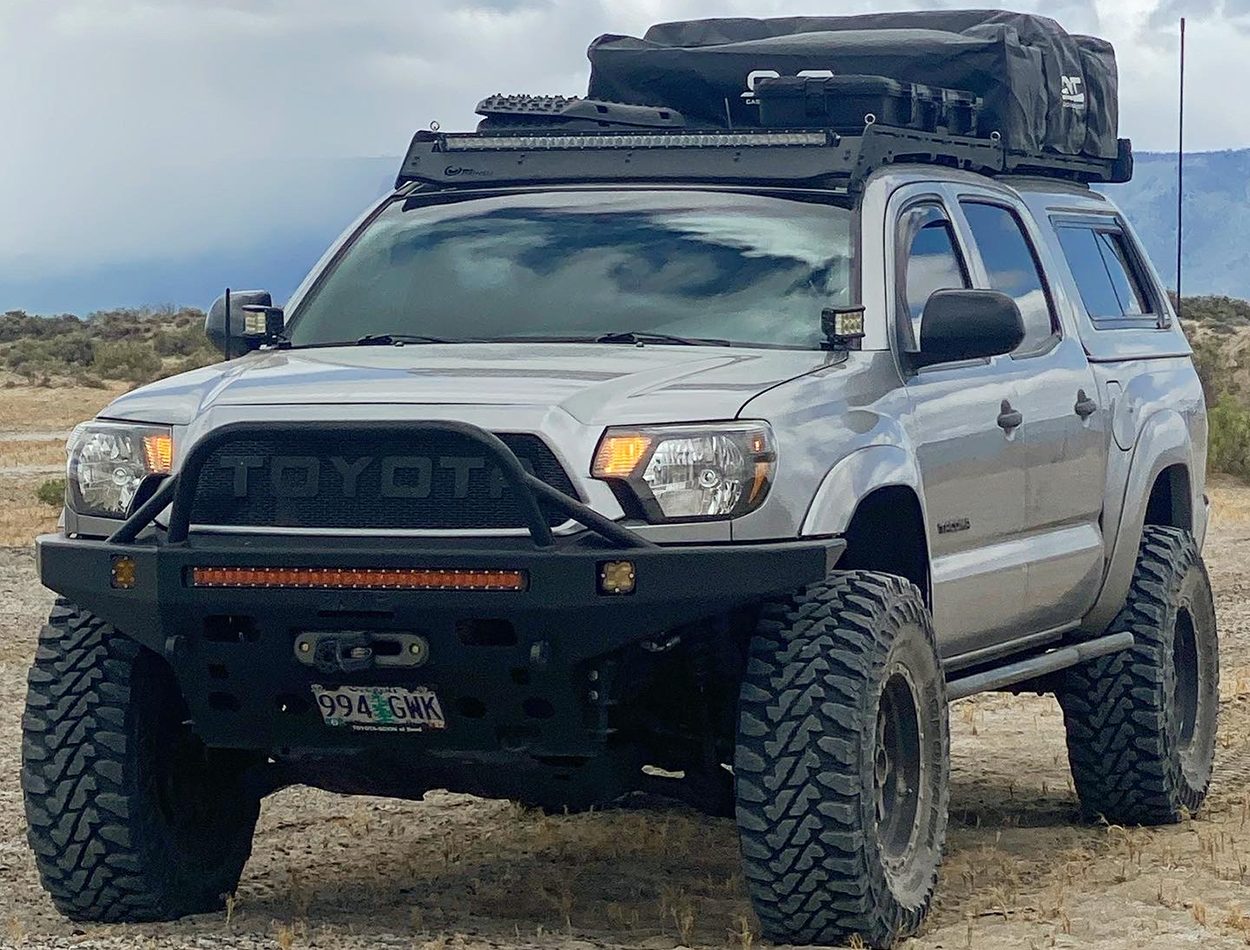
x=680, y=473
x=108, y=460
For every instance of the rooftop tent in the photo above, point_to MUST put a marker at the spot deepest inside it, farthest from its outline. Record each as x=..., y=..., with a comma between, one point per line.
x=1043, y=89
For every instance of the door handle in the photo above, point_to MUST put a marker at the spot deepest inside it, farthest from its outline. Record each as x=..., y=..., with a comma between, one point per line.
x=1009, y=419
x=1085, y=407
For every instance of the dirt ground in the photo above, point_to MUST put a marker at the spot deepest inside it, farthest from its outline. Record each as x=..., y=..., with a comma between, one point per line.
x=1021, y=871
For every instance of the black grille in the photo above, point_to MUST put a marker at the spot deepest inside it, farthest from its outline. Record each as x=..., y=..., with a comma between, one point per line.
x=344, y=479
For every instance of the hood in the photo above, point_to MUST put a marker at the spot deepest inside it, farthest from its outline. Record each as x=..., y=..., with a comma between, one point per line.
x=594, y=383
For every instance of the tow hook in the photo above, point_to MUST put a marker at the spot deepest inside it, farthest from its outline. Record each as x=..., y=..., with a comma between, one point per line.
x=350, y=654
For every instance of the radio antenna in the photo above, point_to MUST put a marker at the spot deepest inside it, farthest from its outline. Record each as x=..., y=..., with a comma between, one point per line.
x=229, y=328
x=1180, y=182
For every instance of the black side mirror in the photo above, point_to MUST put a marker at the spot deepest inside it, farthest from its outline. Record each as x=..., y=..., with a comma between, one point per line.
x=243, y=320
x=968, y=325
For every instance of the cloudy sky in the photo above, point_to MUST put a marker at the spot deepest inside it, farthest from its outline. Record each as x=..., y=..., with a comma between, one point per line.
x=141, y=128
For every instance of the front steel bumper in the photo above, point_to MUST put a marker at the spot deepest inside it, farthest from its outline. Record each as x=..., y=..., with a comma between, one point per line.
x=233, y=650
x=532, y=686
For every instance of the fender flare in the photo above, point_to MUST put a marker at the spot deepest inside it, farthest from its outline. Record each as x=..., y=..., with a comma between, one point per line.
x=1164, y=441
x=853, y=479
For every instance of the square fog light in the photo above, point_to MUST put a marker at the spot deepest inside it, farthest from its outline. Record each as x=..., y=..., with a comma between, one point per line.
x=122, y=572
x=617, y=577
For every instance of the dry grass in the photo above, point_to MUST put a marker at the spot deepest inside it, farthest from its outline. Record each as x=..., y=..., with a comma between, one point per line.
x=30, y=453
x=40, y=409
x=1230, y=502
x=22, y=515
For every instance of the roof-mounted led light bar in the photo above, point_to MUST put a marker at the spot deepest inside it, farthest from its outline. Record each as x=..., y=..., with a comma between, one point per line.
x=470, y=142
x=811, y=157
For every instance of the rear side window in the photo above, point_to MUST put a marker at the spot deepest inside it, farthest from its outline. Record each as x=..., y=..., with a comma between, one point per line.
x=1103, y=266
x=1012, y=267
x=932, y=262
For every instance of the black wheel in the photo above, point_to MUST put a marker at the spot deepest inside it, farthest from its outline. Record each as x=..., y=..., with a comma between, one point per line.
x=1141, y=723
x=130, y=817
x=842, y=763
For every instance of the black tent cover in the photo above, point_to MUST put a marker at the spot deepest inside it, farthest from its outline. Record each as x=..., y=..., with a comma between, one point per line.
x=1044, y=90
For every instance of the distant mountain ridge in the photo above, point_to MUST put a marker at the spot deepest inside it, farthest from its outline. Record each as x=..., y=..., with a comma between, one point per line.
x=278, y=243
x=1217, y=218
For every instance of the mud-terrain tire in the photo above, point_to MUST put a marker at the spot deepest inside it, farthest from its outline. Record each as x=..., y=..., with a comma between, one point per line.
x=130, y=818
x=1141, y=723
x=841, y=833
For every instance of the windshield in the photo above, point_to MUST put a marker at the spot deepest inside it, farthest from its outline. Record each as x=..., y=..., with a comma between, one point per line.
x=700, y=265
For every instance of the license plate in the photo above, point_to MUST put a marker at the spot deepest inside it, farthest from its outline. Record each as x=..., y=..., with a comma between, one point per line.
x=380, y=708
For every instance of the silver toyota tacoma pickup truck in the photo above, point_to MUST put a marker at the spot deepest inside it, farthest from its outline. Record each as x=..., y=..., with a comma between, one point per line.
x=707, y=465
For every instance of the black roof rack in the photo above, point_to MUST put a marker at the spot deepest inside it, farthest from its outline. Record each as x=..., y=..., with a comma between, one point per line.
x=774, y=156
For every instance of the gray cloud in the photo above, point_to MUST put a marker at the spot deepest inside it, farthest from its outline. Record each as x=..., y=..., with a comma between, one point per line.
x=1167, y=13
x=134, y=128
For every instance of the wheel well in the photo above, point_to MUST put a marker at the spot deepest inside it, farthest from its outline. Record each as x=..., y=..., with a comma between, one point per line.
x=1170, y=502
x=887, y=534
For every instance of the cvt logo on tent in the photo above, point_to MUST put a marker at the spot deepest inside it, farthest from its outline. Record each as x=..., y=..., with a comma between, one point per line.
x=1073, y=95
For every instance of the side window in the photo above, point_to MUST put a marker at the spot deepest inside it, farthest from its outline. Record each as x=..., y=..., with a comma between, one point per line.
x=931, y=262
x=1013, y=268
x=1102, y=265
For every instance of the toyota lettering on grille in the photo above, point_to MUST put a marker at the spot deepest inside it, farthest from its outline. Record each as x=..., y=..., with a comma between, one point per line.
x=400, y=476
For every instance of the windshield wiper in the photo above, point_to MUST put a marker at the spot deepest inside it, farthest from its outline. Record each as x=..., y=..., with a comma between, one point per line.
x=635, y=337
x=394, y=339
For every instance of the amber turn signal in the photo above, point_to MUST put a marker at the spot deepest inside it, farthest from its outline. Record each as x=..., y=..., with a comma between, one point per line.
x=158, y=453
x=620, y=454
x=358, y=578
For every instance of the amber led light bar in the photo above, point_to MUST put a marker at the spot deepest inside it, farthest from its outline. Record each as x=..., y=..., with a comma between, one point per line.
x=358, y=578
